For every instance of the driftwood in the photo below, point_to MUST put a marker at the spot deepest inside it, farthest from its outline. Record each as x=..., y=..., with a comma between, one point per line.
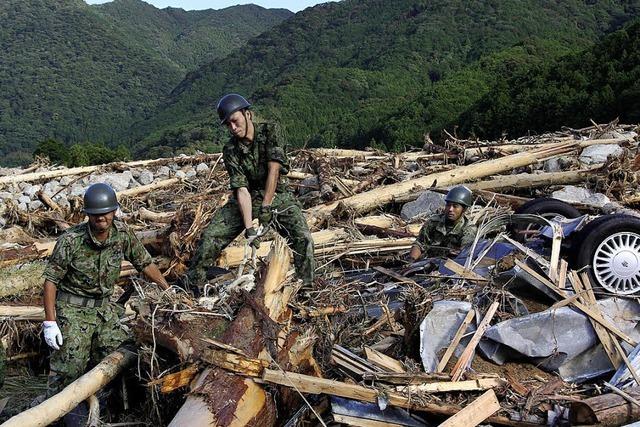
x=367, y=201
x=321, y=166
x=87, y=385
x=532, y=180
x=608, y=409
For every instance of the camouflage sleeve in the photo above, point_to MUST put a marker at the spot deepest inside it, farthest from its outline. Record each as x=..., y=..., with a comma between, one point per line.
x=135, y=252
x=276, y=147
x=469, y=234
x=59, y=261
x=237, y=178
x=423, y=239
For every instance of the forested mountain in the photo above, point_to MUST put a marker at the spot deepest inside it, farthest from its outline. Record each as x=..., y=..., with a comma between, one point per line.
x=80, y=73
x=373, y=71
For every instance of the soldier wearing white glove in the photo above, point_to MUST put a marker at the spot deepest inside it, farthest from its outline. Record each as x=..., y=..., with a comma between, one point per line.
x=52, y=334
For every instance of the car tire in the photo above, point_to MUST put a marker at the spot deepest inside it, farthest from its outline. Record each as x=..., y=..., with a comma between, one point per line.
x=608, y=248
x=546, y=207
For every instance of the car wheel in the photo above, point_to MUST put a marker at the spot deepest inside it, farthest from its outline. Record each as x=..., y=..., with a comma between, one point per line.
x=609, y=248
x=547, y=208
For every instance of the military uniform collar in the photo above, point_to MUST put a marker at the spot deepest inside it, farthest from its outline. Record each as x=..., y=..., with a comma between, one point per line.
x=456, y=229
x=91, y=238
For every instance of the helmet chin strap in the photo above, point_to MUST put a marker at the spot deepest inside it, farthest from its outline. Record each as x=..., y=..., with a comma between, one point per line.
x=246, y=124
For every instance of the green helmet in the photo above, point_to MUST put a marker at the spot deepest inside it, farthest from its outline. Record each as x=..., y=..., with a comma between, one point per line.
x=229, y=104
x=100, y=199
x=460, y=195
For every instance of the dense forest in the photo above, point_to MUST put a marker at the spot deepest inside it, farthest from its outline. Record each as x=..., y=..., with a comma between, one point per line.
x=373, y=72
x=78, y=73
x=353, y=73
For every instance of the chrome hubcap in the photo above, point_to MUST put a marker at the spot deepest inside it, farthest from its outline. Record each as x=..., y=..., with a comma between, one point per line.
x=616, y=263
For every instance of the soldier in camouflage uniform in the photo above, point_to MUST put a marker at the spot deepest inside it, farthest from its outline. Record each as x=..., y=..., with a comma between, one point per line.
x=79, y=280
x=256, y=163
x=445, y=234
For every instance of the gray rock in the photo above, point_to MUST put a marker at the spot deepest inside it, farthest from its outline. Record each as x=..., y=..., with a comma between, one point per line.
x=66, y=180
x=552, y=165
x=146, y=177
x=3, y=222
x=22, y=207
x=36, y=204
x=180, y=174
x=202, y=169
x=24, y=199
x=612, y=134
x=51, y=188
x=428, y=203
x=412, y=166
x=573, y=194
x=77, y=190
x=23, y=185
x=308, y=185
x=118, y=181
x=598, y=153
x=135, y=173
x=617, y=208
x=32, y=190
x=5, y=195
x=163, y=171
x=190, y=173
x=62, y=201
x=174, y=166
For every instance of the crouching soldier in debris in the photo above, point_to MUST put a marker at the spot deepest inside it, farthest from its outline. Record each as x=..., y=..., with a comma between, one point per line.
x=82, y=325
x=256, y=163
x=443, y=235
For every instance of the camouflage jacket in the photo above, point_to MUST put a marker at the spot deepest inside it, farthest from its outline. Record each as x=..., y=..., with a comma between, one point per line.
x=247, y=165
x=84, y=266
x=436, y=239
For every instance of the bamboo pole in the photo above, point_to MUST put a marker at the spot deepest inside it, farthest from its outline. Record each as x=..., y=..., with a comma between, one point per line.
x=367, y=201
x=62, y=403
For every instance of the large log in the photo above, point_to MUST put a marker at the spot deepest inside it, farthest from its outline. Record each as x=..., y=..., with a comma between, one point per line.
x=87, y=385
x=37, y=176
x=365, y=202
x=517, y=148
x=531, y=180
x=607, y=409
x=223, y=399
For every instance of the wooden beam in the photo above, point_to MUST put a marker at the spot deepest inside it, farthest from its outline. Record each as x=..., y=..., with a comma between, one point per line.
x=475, y=413
x=464, y=361
x=456, y=340
x=383, y=361
x=445, y=387
x=586, y=310
x=463, y=272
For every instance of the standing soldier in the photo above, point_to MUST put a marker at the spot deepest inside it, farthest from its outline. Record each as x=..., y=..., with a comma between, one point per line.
x=82, y=325
x=445, y=234
x=256, y=163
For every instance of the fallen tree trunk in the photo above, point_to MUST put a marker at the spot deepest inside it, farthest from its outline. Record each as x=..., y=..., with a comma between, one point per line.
x=36, y=176
x=607, y=409
x=365, y=202
x=530, y=180
x=245, y=402
x=148, y=188
x=16, y=312
x=62, y=403
x=518, y=148
x=323, y=171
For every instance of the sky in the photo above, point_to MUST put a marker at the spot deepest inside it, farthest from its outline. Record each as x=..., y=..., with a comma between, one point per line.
x=292, y=5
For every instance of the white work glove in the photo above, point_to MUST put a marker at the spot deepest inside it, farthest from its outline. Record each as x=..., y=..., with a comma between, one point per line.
x=52, y=334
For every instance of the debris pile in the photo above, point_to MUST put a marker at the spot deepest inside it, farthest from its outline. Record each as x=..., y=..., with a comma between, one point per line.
x=518, y=329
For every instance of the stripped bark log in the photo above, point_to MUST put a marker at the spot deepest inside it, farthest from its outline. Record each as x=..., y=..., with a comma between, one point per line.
x=365, y=202
x=37, y=176
x=60, y=404
x=530, y=180
x=245, y=402
x=607, y=409
x=323, y=171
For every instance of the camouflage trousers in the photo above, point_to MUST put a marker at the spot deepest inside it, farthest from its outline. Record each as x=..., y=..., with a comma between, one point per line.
x=227, y=223
x=89, y=335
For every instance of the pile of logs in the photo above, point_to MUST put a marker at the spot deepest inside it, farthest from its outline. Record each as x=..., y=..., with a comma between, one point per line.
x=258, y=358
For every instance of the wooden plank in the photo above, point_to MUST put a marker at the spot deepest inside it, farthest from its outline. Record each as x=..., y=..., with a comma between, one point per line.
x=362, y=422
x=383, y=361
x=234, y=362
x=465, y=359
x=555, y=251
x=586, y=310
x=399, y=277
x=456, y=340
x=463, y=272
x=448, y=386
x=475, y=413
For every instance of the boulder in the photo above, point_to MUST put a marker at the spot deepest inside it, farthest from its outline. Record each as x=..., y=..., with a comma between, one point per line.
x=573, y=194
x=23, y=207
x=552, y=165
x=66, y=180
x=24, y=199
x=202, y=169
x=427, y=203
x=51, y=188
x=180, y=174
x=34, y=205
x=62, y=201
x=163, y=171
x=5, y=195
x=307, y=185
x=118, y=181
x=32, y=190
x=146, y=177
x=77, y=190
x=597, y=154
x=190, y=173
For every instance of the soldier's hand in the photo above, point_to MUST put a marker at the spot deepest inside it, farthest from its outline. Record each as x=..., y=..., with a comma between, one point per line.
x=52, y=334
x=265, y=216
x=252, y=237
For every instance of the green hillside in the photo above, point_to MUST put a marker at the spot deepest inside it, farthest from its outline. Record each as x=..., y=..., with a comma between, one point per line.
x=81, y=73
x=371, y=71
